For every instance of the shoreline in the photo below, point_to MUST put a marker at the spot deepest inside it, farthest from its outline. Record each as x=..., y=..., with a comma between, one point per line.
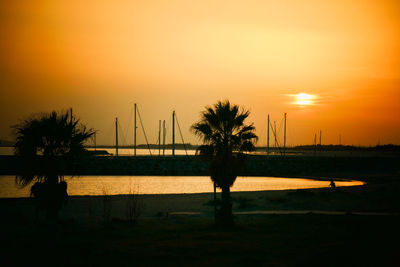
x=324, y=179
x=90, y=209
x=367, y=197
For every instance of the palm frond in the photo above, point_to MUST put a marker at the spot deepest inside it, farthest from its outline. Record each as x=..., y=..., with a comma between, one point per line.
x=46, y=143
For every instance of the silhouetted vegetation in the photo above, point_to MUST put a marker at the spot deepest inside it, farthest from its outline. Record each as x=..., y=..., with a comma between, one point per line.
x=134, y=205
x=388, y=147
x=46, y=145
x=107, y=206
x=225, y=137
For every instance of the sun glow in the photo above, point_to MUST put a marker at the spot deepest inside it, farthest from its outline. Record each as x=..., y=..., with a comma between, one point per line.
x=303, y=99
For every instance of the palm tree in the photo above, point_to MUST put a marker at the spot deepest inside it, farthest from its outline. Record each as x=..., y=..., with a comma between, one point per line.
x=225, y=137
x=48, y=145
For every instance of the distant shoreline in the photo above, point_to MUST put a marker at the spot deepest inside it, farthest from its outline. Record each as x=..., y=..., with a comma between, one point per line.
x=180, y=146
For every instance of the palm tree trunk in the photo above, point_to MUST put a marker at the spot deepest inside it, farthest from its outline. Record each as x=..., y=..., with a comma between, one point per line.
x=224, y=215
x=51, y=196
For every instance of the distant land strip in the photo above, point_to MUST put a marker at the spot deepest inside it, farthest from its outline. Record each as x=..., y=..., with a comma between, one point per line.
x=298, y=148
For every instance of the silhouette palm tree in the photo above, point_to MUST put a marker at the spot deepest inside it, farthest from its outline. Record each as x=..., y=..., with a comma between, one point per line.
x=225, y=137
x=48, y=145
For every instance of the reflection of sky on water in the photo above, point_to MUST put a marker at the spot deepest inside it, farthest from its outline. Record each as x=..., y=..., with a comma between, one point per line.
x=143, y=151
x=115, y=185
x=121, y=151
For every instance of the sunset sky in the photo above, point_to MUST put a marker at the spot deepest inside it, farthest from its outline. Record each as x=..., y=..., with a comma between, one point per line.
x=101, y=57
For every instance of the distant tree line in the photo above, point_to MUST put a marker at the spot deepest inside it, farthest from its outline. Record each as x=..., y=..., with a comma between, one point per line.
x=6, y=143
x=388, y=147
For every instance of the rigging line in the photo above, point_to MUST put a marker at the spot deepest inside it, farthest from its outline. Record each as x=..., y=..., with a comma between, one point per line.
x=120, y=130
x=144, y=132
x=119, y=134
x=167, y=124
x=156, y=144
x=179, y=127
x=280, y=128
x=277, y=141
x=262, y=131
x=287, y=132
x=156, y=138
x=93, y=138
x=109, y=133
x=129, y=125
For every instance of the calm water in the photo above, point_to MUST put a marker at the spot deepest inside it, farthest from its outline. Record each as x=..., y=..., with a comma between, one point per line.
x=130, y=152
x=142, y=151
x=115, y=185
x=167, y=152
x=6, y=151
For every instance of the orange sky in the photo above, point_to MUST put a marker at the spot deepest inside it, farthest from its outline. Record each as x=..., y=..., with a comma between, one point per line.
x=100, y=57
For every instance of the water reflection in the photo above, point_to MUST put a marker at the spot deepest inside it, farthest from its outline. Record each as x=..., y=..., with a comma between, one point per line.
x=6, y=151
x=145, y=152
x=115, y=185
x=142, y=151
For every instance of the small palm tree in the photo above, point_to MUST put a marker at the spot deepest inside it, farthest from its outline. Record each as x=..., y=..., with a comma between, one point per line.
x=225, y=137
x=48, y=145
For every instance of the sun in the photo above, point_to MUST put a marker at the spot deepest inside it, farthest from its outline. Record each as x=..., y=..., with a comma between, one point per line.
x=303, y=99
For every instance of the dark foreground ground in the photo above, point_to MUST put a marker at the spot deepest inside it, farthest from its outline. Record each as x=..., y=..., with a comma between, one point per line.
x=273, y=240
x=95, y=230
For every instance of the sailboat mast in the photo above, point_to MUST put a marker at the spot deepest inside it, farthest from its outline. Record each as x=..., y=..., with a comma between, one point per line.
x=320, y=138
x=315, y=139
x=163, y=138
x=173, y=133
x=315, y=143
x=159, y=137
x=268, y=136
x=134, y=132
x=275, y=132
x=116, y=136
x=284, y=137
